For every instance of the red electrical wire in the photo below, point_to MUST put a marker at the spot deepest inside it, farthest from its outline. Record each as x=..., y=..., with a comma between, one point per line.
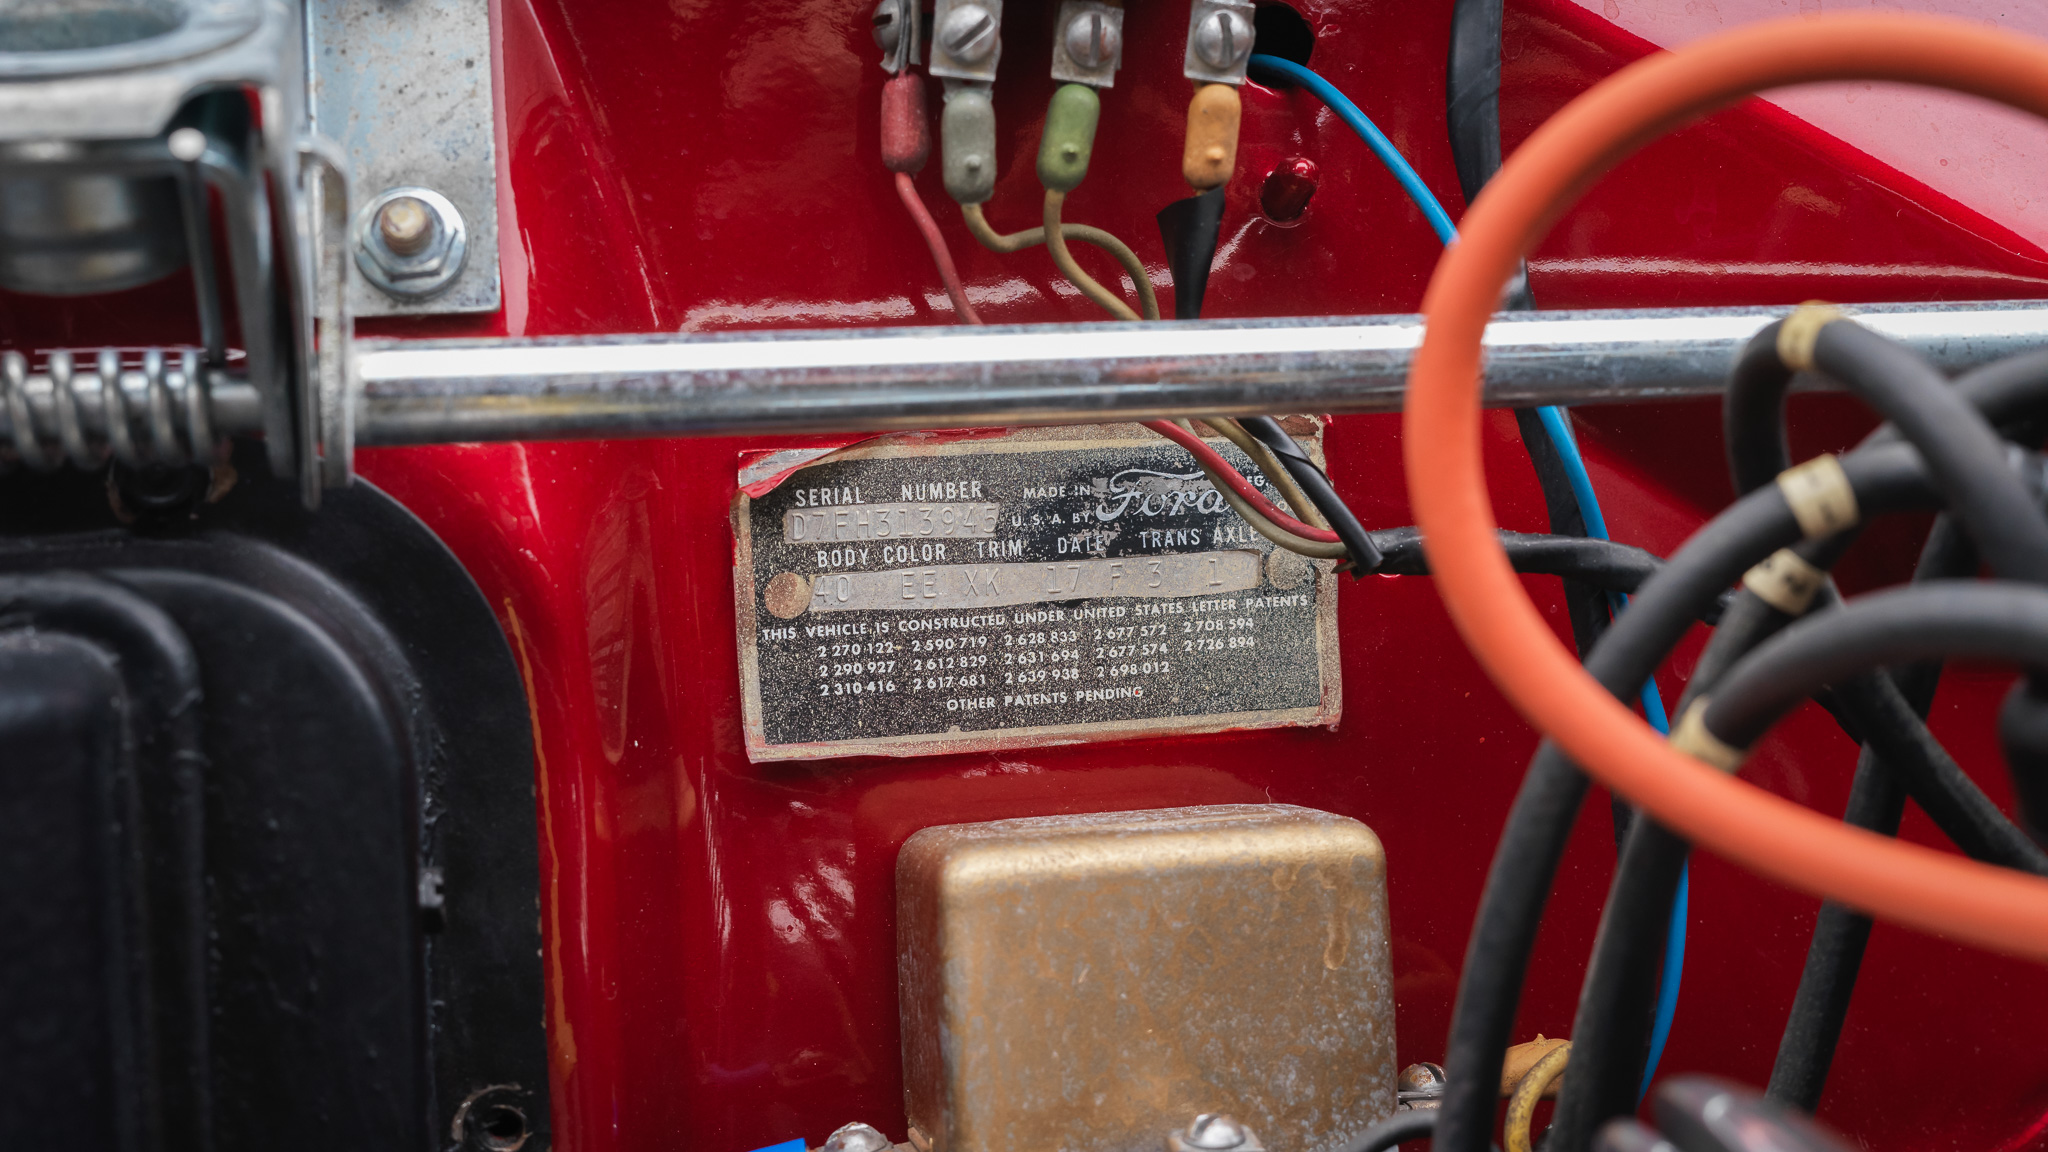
x=941, y=255
x=1238, y=483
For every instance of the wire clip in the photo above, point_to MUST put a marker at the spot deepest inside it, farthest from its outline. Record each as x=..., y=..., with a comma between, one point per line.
x=1801, y=329
x=1692, y=738
x=1785, y=581
x=1820, y=496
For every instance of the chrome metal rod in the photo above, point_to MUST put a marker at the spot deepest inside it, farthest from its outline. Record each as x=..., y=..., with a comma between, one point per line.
x=429, y=391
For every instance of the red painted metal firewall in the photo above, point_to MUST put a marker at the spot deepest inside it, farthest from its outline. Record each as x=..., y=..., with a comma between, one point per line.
x=720, y=941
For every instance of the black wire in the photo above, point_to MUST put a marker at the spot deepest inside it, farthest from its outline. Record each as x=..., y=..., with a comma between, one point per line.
x=1965, y=458
x=1472, y=92
x=1401, y=1127
x=1937, y=620
x=1610, y=1034
x=1601, y=565
x=1611, y=1029
x=1585, y=605
x=1518, y=882
x=1834, y=955
x=1365, y=555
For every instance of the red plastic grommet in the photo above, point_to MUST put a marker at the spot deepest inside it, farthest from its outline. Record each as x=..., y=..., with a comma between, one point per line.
x=1285, y=195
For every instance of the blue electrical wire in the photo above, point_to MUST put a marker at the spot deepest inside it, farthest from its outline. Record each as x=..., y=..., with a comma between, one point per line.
x=1374, y=139
x=1560, y=433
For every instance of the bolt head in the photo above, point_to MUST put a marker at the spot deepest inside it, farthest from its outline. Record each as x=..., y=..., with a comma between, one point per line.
x=406, y=225
x=888, y=29
x=1091, y=40
x=1215, y=1130
x=410, y=242
x=1423, y=1078
x=1223, y=39
x=857, y=1137
x=968, y=33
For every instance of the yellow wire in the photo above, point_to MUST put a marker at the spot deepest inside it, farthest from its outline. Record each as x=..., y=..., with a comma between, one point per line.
x=994, y=241
x=1056, y=243
x=1528, y=1090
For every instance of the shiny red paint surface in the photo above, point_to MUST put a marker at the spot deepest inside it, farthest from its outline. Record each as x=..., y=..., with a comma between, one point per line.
x=720, y=934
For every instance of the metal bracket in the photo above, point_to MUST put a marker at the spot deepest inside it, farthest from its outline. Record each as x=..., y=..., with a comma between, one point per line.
x=967, y=39
x=896, y=34
x=1089, y=46
x=1220, y=34
x=405, y=90
x=327, y=406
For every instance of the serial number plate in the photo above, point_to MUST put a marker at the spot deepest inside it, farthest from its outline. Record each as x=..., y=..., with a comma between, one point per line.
x=1041, y=587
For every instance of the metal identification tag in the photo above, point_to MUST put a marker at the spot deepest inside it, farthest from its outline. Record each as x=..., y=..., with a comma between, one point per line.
x=932, y=594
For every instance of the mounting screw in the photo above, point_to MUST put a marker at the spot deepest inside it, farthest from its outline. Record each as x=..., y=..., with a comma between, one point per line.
x=491, y=1120
x=406, y=225
x=888, y=29
x=410, y=242
x=1425, y=1078
x=1223, y=38
x=1091, y=40
x=1214, y=1132
x=857, y=1137
x=969, y=33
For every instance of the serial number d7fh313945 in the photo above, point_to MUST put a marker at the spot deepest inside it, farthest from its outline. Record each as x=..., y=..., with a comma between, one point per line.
x=1042, y=586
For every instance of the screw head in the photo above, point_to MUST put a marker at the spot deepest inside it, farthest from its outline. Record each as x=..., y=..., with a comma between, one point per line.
x=406, y=225
x=856, y=1137
x=1215, y=1130
x=968, y=33
x=888, y=29
x=1223, y=38
x=1423, y=1079
x=187, y=144
x=1091, y=40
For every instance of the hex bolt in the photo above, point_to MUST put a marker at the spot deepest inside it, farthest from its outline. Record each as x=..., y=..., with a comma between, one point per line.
x=969, y=33
x=410, y=242
x=406, y=225
x=1223, y=38
x=888, y=29
x=1091, y=40
x=857, y=1137
x=1215, y=1130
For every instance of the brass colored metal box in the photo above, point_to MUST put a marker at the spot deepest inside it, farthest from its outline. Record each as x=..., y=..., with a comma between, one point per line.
x=1089, y=983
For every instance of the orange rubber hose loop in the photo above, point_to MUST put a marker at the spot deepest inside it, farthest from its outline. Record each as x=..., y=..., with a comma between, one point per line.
x=1238, y=484
x=1933, y=891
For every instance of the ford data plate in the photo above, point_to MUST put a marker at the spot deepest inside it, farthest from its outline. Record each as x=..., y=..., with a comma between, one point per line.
x=926, y=594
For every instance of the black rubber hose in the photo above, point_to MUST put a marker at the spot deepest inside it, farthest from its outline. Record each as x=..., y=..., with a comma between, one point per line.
x=1365, y=555
x=1611, y=1030
x=1540, y=822
x=1965, y=458
x=1753, y=412
x=2004, y=391
x=1939, y=620
x=1834, y=956
x=1401, y=1127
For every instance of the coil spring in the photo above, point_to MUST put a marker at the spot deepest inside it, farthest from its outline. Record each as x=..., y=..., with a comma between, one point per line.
x=157, y=414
